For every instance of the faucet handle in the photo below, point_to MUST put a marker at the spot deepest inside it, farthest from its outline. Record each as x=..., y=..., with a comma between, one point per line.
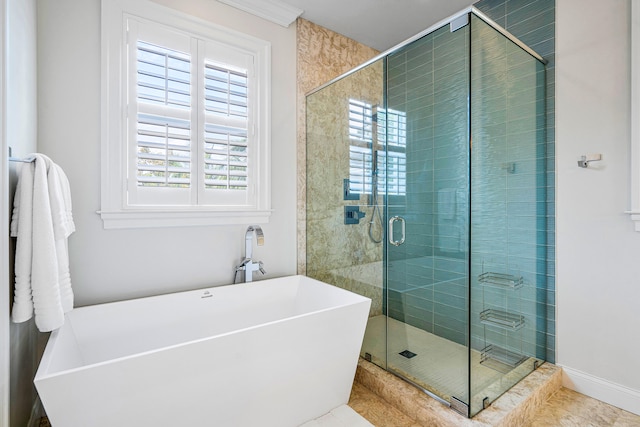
x=259, y=234
x=243, y=265
x=260, y=267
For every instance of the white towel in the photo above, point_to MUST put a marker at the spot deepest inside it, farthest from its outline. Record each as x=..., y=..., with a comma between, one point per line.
x=63, y=226
x=42, y=222
x=21, y=227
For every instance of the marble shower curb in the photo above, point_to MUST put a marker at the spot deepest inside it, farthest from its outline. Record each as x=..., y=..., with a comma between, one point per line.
x=512, y=409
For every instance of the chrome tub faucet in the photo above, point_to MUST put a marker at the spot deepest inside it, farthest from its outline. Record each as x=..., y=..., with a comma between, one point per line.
x=248, y=265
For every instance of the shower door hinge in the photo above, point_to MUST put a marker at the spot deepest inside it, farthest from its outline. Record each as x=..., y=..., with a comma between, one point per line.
x=459, y=406
x=486, y=403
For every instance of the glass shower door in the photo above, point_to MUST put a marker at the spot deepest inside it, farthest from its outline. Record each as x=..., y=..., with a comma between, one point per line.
x=427, y=213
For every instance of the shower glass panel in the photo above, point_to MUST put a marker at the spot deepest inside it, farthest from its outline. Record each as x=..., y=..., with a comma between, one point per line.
x=508, y=213
x=427, y=275
x=345, y=229
x=426, y=192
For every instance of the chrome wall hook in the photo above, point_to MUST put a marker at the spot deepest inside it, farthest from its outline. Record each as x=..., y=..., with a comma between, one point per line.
x=586, y=159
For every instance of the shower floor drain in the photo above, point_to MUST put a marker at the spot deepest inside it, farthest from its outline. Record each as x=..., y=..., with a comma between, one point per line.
x=408, y=354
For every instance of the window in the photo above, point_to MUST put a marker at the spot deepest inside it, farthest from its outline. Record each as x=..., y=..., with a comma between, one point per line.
x=185, y=120
x=383, y=132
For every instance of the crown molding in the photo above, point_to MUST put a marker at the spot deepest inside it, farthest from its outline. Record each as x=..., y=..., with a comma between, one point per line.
x=273, y=10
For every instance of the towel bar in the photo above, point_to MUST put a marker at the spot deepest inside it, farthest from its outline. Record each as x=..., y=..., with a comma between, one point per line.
x=25, y=160
x=17, y=159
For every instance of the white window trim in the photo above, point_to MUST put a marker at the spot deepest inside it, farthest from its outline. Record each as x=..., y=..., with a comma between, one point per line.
x=115, y=212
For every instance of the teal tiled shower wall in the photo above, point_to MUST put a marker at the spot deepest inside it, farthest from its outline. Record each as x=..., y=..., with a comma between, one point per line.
x=533, y=22
x=428, y=80
x=508, y=193
x=426, y=276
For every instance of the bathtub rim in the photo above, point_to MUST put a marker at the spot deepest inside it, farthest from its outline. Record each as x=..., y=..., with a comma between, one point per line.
x=42, y=371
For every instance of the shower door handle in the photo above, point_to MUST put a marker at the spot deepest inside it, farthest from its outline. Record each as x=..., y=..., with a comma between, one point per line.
x=392, y=223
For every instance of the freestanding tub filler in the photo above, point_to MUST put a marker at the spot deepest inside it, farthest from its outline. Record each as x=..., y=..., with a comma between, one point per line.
x=277, y=352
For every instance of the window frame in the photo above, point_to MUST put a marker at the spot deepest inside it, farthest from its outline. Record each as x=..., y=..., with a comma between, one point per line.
x=116, y=211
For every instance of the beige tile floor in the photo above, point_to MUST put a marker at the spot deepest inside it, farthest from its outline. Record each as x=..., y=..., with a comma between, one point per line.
x=342, y=416
x=565, y=408
x=571, y=409
x=376, y=410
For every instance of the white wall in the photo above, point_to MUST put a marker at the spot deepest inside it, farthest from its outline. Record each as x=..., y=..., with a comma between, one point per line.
x=21, y=136
x=4, y=234
x=121, y=264
x=598, y=251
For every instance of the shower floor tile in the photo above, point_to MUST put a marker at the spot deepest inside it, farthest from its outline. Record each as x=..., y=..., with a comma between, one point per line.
x=439, y=365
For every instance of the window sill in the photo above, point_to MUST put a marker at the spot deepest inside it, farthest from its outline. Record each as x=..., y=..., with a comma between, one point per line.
x=156, y=219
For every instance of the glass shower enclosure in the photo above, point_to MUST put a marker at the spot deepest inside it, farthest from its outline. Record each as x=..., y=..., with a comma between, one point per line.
x=426, y=192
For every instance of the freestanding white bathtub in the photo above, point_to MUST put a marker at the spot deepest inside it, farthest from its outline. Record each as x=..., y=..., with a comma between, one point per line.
x=276, y=352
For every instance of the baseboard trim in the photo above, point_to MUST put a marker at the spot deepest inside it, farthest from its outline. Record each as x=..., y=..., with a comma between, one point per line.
x=612, y=393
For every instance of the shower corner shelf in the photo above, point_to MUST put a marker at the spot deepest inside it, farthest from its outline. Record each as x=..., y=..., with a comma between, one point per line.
x=500, y=359
x=500, y=280
x=502, y=319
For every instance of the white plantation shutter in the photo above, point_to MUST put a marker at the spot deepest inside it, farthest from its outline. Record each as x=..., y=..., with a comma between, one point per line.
x=228, y=173
x=226, y=149
x=163, y=141
x=185, y=120
x=226, y=159
x=163, y=152
x=190, y=117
